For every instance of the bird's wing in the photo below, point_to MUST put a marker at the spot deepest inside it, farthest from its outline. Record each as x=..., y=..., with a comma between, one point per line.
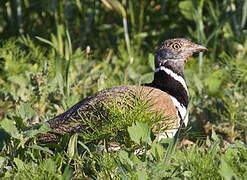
x=73, y=120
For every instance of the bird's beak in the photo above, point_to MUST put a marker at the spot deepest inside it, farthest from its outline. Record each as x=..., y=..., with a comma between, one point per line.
x=198, y=48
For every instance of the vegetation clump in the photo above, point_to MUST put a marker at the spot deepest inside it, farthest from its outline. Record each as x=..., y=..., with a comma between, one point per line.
x=55, y=53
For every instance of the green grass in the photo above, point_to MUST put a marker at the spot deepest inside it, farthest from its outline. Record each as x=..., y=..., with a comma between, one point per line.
x=30, y=98
x=67, y=53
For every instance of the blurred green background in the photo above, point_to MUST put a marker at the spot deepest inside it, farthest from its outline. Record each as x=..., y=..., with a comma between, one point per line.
x=54, y=53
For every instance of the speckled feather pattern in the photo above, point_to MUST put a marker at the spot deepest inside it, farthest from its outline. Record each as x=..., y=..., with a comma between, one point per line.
x=70, y=121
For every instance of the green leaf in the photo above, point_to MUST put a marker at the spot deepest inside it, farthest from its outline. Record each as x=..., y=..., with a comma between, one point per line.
x=85, y=147
x=45, y=41
x=124, y=158
x=10, y=128
x=20, y=80
x=72, y=147
x=45, y=149
x=19, y=163
x=133, y=157
x=43, y=128
x=157, y=151
x=142, y=174
x=140, y=132
x=186, y=8
x=67, y=174
x=26, y=111
x=226, y=170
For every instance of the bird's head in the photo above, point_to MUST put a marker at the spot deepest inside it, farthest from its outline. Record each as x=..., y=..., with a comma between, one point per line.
x=173, y=53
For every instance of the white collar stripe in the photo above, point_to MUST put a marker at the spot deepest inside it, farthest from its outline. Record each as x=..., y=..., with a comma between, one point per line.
x=174, y=75
x=181, y=109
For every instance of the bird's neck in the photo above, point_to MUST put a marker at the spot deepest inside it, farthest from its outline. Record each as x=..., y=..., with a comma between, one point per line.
x=166, y=79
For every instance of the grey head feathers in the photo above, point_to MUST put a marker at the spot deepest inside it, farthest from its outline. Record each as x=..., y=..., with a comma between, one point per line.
x=173, y=53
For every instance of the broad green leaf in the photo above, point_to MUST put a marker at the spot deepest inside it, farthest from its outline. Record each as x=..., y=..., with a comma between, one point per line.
x=19, y=163
x=142, y=174
x=42, y=129
x=124, y=157
x=186, y=8
x=139, y=132
x=134, y=158
x=9, y=127
x=20, y=80
x=26, y=111
x=226, y=171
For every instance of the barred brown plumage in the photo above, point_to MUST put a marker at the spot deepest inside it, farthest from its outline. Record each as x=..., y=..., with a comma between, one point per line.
x=168, y=93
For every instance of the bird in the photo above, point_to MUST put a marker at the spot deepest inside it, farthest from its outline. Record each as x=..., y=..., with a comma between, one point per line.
x=168, y=93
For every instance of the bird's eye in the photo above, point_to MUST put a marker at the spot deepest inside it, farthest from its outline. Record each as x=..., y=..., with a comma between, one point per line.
x=176, y=46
